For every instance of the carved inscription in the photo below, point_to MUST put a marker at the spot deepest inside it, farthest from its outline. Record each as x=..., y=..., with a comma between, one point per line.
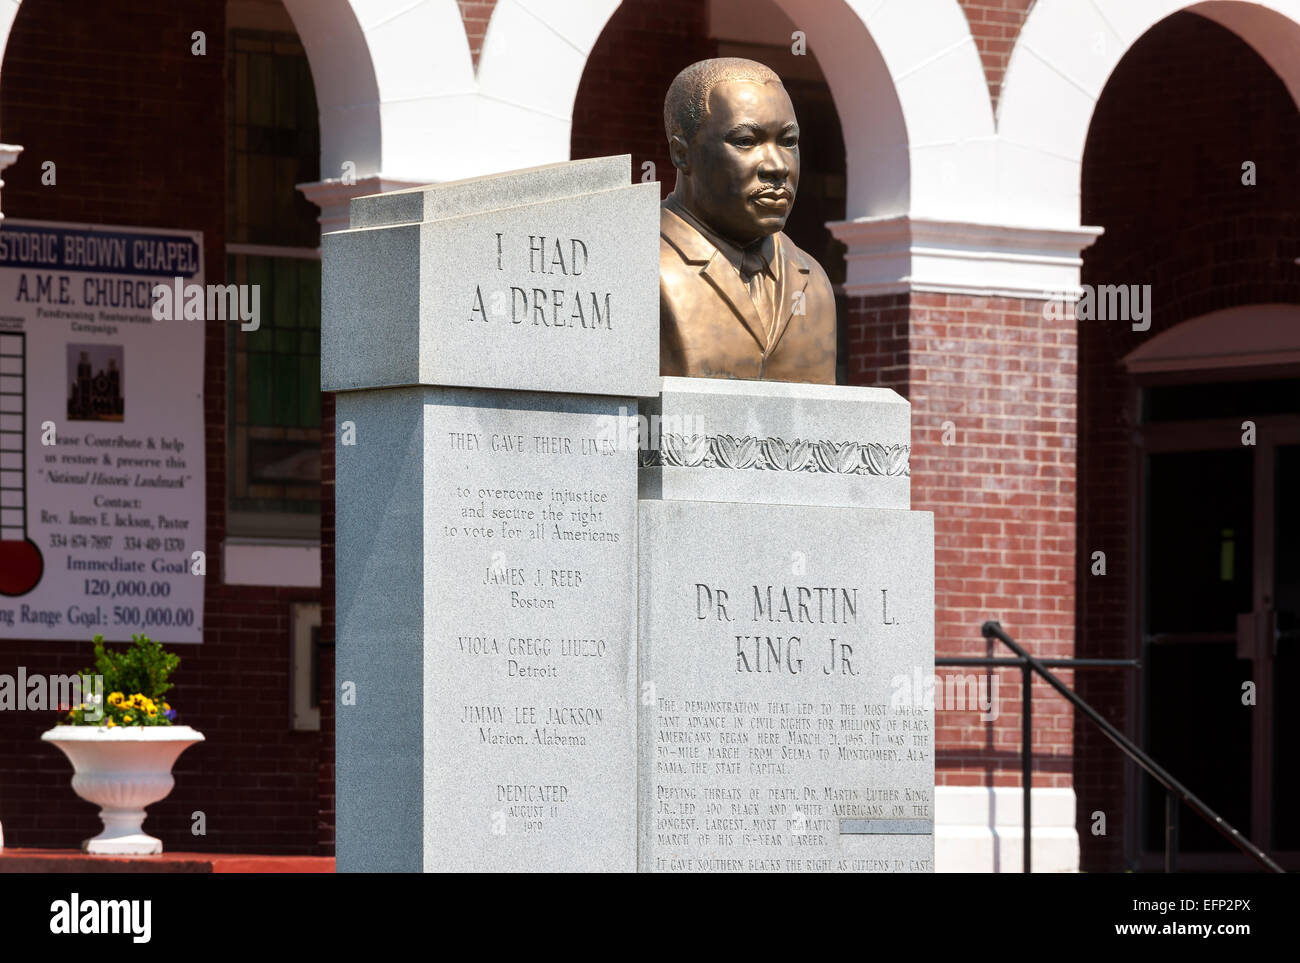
x=539, y=284
x=535, y=520
x=774, y=738
x=762, y=786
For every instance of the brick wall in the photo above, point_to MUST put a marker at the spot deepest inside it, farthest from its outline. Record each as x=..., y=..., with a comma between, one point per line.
x=879, y=343
x=111, y=93
x=1001, y=486
x=1162, y=174
x=995, y=25
x=476, y=14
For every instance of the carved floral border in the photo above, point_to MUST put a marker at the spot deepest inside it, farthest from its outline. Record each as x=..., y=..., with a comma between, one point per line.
x=777, y=454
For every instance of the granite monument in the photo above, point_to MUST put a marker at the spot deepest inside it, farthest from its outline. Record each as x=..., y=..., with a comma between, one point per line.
x=603, y=606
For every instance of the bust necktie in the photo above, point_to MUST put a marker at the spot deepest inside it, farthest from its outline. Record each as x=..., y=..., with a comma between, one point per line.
x=754, y=272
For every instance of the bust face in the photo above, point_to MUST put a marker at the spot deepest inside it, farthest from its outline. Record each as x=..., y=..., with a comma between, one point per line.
x=744, y=161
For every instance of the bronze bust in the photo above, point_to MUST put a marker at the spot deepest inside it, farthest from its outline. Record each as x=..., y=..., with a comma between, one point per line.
x=737, y=298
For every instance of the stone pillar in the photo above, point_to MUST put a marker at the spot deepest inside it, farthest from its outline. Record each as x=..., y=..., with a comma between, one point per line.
x=786, y=633
x=483, y=336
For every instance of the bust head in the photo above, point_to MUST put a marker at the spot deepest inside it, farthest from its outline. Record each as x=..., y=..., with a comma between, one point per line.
x=734, y=140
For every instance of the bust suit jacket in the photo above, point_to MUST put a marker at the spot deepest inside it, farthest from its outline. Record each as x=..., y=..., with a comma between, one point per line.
x=710, y=328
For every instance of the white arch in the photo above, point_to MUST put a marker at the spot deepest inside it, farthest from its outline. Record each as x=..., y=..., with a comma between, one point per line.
x=913, y=103
x=912, y=99
x=532, y=62
x=8, y=12
x=399, y=98
x=394, y=84
x=8, y=152
x=1062, y=59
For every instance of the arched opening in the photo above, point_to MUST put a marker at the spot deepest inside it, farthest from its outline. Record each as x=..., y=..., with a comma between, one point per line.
x=1063, y=58
x=1190, y=164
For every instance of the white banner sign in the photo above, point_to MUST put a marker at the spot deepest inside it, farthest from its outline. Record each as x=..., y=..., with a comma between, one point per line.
x=101, y=435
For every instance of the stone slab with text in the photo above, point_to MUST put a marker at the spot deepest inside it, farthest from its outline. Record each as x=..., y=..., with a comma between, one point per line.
x=544, y=279
x=783, y=724
x=482, y=337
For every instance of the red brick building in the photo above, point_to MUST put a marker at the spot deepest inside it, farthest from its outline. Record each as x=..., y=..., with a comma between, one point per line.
x=969, y=167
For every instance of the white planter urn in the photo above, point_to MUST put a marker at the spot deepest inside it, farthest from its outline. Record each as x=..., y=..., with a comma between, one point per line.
x=122, y=770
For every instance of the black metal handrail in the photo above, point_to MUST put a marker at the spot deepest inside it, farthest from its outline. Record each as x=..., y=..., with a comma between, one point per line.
x=1175, y=791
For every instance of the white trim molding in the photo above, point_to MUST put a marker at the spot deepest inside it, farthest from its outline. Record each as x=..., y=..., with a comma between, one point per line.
x=266, y=561
x=274, y=250
x=334, y=196
x=1063, y=57
x=980, y=829
x=8, y=154
x=888, y=255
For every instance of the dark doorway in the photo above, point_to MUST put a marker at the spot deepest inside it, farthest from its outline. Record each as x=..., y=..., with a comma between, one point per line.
x=1219, y=604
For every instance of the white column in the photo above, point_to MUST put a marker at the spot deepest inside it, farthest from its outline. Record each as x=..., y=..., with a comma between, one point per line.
x=8, y=154
x=888, y=255
x=333, y=196
x=980, y=829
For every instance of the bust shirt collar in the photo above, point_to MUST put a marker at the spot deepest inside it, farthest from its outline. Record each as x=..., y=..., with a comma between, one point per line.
x=734, y=254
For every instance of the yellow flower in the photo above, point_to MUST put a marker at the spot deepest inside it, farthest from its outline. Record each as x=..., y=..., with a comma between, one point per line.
x=127, y=717
x=111, y=723
x=114, y=698
x=166, y=707
x=152, y=712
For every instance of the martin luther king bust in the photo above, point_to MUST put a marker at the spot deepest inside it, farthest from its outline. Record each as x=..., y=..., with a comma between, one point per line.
x=737, y=299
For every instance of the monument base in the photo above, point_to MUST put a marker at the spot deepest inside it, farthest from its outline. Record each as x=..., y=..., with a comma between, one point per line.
x=781, y=726
x=980, y=829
